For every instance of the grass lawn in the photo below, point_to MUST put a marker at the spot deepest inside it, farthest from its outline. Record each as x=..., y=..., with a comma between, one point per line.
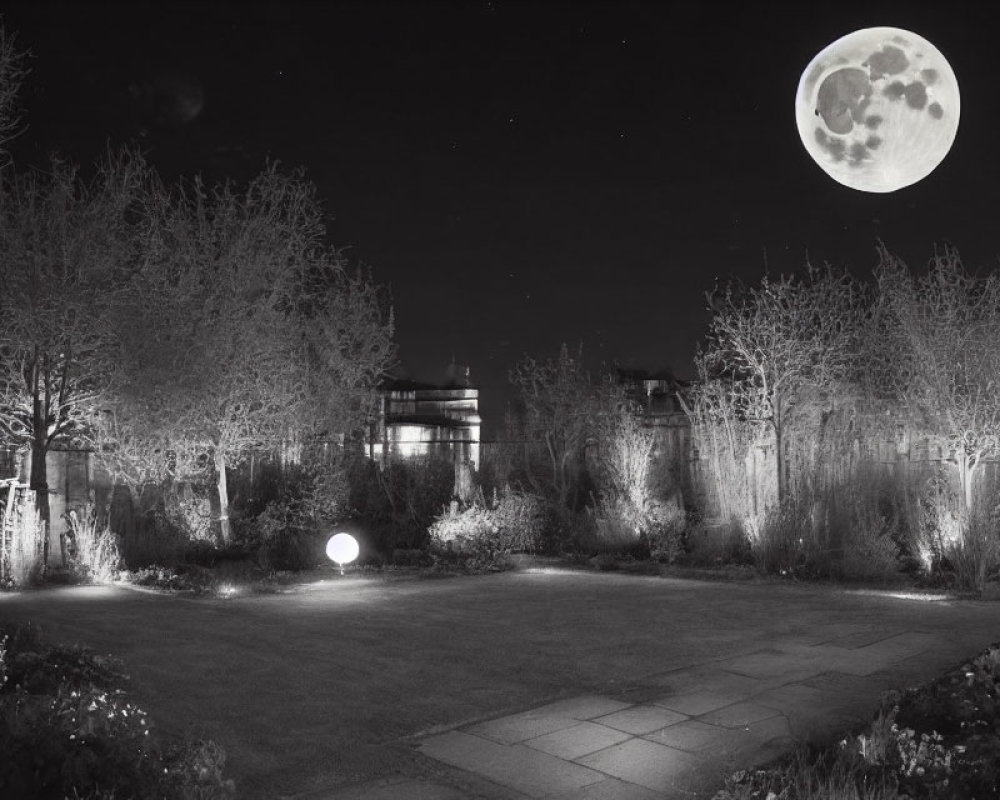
x=322, y=684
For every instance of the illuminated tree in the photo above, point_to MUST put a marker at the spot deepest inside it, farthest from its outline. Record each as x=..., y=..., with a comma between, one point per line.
x=66, y=247
x=242, y=332
x=774, y=342
x=940, y=355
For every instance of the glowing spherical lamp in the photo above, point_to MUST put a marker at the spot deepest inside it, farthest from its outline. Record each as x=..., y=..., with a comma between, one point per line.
x=342, y=548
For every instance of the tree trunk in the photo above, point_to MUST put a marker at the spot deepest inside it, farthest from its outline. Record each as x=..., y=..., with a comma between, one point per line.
x=966, y=472
x=39, y=483
x=779, y=451
x=223, y=487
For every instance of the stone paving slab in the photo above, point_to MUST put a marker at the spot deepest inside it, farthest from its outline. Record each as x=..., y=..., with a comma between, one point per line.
x=739, y=715
x=755, y=742
x=903, y=645
x=546, y=719
x=638, y=720
x=580, y=740
x=793, y=697
x=736, y=713
x=700, y=702
x=610, y=789
x=858, y=687
x=692, y=736
x=859, y=638
x=813, y=713
x=698, y=677
x=390, y=789
x=829, y=633
x=524, y=769
x=582, y=708
x=521, y=727
x=654, y=766
x=786, y=665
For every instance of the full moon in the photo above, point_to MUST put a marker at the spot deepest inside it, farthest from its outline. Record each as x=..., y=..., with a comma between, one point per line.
x=878, y=109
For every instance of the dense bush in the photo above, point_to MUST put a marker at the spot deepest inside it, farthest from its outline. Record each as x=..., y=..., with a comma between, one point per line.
x=92, y=549
x=486, y=533
x=396, y=504
x=711, y=545
x=780, y=547
x=857, y=529
x=975, y=557
x=67, y=729
x=654, y=531
x=318, y=490
x=282, y=537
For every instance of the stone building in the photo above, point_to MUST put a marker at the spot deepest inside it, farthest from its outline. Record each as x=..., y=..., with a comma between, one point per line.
x=419, y=420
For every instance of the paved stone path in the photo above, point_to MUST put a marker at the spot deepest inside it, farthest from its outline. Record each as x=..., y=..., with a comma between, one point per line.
x=682, y=740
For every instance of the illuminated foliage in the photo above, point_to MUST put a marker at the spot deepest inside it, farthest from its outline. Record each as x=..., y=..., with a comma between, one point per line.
x=241, y=331
x=775, y=342
x=66, y=246
x=942, y=359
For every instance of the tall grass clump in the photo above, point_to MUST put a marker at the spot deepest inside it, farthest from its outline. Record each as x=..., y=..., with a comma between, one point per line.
x=975, y=557
x=869, y=522
x=21, y=551
x=93, y=549
x=780, y=547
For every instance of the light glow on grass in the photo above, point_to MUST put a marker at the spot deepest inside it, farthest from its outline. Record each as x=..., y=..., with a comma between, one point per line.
x=342, y=548
x=923, y=597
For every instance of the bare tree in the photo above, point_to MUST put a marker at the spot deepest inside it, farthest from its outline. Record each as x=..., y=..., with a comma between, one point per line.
x=558, y=406
x=12, y=74
x=773, y=341
x=66, y=247
x=243, y=333
x=943, y=358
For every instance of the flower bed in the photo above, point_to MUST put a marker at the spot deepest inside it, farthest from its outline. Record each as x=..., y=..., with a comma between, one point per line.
x=940, y=741
x=68, y=729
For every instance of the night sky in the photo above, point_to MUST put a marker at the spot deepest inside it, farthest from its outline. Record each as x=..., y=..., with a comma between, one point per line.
x=522, y=174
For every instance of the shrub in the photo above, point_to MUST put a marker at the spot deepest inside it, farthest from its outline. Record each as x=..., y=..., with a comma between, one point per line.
x=523, y=519
x=975, y=557
x=155, y=538
x=940, y=520
x=93, y=553
x=780, y=546
x=398, y=503
x=617, y=527
x=319, y=489
x=726, y=543
x=864, y=519
x=67, y=729
x=282, y=537
x=665, y=527
x=655, y=530
x=486, y=534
